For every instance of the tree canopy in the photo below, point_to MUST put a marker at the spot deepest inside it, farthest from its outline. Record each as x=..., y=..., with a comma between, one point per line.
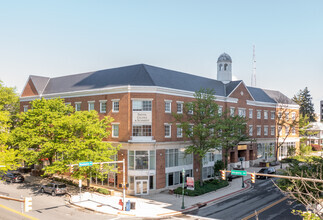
x=52, y=131
x=304, y=99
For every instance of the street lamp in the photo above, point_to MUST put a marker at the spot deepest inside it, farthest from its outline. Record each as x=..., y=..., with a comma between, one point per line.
x=241, y=159
x=183, y=175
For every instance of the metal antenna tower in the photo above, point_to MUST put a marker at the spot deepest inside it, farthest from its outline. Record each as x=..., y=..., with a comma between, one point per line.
x=253, y=76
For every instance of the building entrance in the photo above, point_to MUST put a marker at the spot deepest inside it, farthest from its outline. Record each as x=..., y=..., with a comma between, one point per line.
x=141, y=187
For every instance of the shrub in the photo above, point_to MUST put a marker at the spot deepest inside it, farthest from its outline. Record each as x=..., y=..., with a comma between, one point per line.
x=208, y=186
x=305, y=149
x=218, y=165
x=103, y=191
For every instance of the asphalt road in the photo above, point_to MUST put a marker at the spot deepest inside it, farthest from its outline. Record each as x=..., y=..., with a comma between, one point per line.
x=44, y=206
x=264, y=198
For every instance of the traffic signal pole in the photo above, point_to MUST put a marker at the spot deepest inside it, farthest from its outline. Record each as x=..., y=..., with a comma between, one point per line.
x=281, y=176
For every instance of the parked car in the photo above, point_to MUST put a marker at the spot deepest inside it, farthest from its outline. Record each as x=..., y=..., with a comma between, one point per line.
x=54, y=188
x=13, y=177
x=267, y=170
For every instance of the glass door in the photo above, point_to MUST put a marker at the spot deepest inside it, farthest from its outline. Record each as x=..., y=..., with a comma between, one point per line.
x=141, y=187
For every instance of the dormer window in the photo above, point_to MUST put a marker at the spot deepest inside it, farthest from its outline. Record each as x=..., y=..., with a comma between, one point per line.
x=220, y=67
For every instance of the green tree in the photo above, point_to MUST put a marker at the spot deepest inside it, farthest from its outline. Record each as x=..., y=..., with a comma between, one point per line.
x=306, y=192
x=304, y=99
x=8, y=108
x=52, y=130
x=232, y=131
x=199, y=123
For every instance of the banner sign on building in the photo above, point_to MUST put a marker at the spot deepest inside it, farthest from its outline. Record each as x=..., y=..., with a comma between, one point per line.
x=190, y=183
x=141, y=117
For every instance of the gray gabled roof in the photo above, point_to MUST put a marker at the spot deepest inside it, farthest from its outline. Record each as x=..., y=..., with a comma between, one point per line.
x=279, y=97
x=259, y=95
x=136, y=75
x=39, y=82
x=140, y=75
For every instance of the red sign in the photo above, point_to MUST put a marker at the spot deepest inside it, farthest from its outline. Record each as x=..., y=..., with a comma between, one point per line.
x=190, y=183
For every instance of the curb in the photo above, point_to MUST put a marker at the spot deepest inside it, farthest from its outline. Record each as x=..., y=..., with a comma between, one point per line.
x=198, y=206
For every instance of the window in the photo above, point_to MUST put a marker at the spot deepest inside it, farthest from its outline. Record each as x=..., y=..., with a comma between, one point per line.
x=103, y=106
x=177, y=157
x=179, y=132
x=272, y=115
x=279, y=115
x=220, y=110
x=242, y=112
x=293, y=115
x=115, y=130
x=286, y=130
x=179, y=107
x=141, y=130
x=258, y=114
x=225, y=66
x=265, y=130
x=250, y=130
x=77, y=106
x=293, y=131
x=272, y=130
x=258, y=130
x=168, y=106
x=190, y=111
x=250, y=113
x=145, y=105
x=25, y=108
x=265, y=114
x=138, y=160
x=287, y=116
x=280, y=132
x=167, y=130
x=232, y=111
x=91, y=105
x=67, y=103
x=115, y=105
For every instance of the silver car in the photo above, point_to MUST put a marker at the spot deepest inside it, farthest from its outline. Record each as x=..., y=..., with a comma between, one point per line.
x=54, y=189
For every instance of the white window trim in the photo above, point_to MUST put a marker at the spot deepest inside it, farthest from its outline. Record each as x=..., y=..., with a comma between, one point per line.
x=103, y=101
x=170, y=130
x=182, y=103
x=68, y=103
x=181, y=131
x=249, y=113
x=220, y=108
x=244, y=110
x=293, y=115
x=115, y=123
x=170, y=106
x=272, y=114
x=88, y=104
x=113, y=101
x=271, y=130
x=77, y=103
x=266, y=113
x=266, y=126
x=25, y=106
x=251, y=129
x=258, y=126
x=260, y=114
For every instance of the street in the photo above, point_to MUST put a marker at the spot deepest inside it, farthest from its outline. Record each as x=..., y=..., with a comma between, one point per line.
x=264, y=197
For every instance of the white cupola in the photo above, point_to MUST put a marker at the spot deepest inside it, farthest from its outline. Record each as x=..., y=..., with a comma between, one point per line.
x=224, y=68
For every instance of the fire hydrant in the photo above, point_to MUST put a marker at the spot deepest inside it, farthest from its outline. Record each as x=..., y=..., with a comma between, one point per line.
x=121, y=203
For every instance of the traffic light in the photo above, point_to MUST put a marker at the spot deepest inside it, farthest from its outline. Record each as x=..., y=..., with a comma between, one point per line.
x=101, y=167
x=253, y=178
x=28, y=204
x=223, y=174
x=71, y=169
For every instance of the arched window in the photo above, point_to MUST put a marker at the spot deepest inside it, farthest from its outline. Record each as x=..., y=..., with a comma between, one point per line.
x=220, y=67
x=225, y=66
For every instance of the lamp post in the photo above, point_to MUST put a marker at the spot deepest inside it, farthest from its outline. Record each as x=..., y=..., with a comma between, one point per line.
x=241, y=159
x=183, y=175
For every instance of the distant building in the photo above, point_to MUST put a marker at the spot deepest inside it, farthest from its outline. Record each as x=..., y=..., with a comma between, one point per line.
x=141, y=99
x=314, y=134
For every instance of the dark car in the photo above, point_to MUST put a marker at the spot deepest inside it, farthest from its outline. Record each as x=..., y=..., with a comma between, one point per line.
x=267, y=170
x=13, y=177
x=54, y=189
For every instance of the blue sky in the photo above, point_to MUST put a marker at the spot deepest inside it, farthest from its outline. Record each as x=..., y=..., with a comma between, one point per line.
x=55, y=38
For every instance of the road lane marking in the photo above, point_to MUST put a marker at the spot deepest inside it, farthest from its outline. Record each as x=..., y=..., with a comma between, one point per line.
x=19, y=213
x=264, y=209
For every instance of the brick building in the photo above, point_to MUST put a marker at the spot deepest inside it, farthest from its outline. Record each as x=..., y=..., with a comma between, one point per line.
x=142, y=98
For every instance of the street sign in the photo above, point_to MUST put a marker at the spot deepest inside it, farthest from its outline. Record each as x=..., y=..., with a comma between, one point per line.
x=239, y=172
x=83, y=164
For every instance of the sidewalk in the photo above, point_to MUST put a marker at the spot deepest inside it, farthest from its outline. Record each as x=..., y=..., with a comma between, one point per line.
x=161, y=204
